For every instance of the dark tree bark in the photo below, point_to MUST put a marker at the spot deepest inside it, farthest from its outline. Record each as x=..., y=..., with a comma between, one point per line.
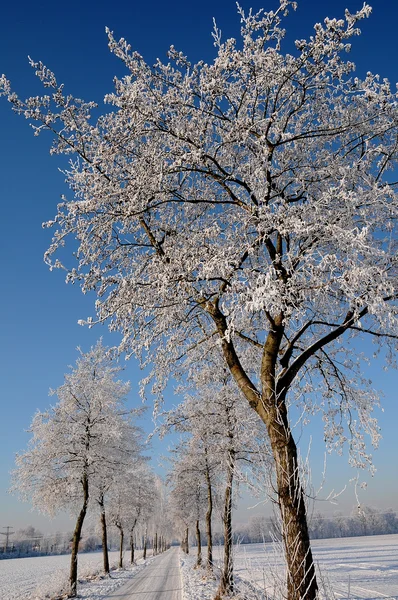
x=121, y=531
x=199, y=545
x=270, y=405
x=76, y=539
x=145, y=542
x=104, y=534
x=227, y=576
x=132, y=548
x=155, y=544
x=186, y=541
x=301, y=577
x=132, y=545
x=208, y=516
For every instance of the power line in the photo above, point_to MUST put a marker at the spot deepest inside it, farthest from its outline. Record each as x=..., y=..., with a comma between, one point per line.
x=7, y=533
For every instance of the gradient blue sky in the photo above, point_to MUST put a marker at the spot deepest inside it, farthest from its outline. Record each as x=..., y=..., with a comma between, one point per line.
x=39, y=313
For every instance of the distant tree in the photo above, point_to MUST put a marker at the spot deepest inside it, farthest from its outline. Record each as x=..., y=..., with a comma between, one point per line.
x=141, y=503
x=71, y=443
x=130, y=499
x=124, y=466
x=225, y=440
x=250, y=204
x=188, y=489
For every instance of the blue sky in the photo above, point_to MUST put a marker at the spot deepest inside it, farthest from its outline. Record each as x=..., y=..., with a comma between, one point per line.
x=39, y=313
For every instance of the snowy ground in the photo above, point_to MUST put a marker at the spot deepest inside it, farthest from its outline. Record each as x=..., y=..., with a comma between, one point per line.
x=362, y=567
x=44, y=577
x=354, y=568
x=349, y=568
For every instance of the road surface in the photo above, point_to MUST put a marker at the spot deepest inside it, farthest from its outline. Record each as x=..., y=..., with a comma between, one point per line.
x=160, y=580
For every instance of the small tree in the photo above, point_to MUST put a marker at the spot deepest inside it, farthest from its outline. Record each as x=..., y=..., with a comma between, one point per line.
x=71, y=441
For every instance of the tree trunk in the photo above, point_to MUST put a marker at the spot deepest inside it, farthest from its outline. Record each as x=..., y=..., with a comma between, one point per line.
x=145, y=542
x=301, y=576
x=198, y=541
x=120, y=528
x=208, y=517
x=76, y=539
x=132, y=547
x=186, y=541
x=104, y=535
x=155, y=544
x=227, y=576
x=270, y=405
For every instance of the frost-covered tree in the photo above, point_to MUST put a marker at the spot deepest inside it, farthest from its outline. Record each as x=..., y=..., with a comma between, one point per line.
x=73, y=442
x=249, y=204
x=225, y=440
x=125, y=462
x=141, y=503
x=189, y=492
x=192, y=417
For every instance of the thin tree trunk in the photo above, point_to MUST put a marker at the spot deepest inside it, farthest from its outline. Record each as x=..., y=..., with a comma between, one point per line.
x=132, y=547
x=187, y=540
x=104, y=534
x=227, y=577
x=121, y=545
x=145, y=541
x=208, y=517
x=155, y=544
x=198, y=541
x=76, y=539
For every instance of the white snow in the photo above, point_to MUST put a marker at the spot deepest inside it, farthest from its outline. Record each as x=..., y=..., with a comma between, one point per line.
x=354, y=568
x=361, y=567
x=349, y=568
x=197, y=584
x=43, y=577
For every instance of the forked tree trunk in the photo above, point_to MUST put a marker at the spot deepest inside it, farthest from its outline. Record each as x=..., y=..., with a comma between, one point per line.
x=199, y=545
x=104, y=535
x=271, y=407
x=227, y=576
x=208, y=517
x=76, y=539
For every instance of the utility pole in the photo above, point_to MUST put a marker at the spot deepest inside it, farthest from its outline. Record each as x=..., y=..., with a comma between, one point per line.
x=7, y=533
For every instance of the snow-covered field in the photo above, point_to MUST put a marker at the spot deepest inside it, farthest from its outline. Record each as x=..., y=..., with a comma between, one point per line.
x=354, y=568
x=33, y=578
x=362, y=567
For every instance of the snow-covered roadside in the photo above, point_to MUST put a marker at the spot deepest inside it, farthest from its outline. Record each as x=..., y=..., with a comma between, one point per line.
x=197, y=584
x=42, y=578
x=92, y=585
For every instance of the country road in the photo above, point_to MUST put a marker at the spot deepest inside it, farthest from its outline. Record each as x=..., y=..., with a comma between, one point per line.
x=160, y=580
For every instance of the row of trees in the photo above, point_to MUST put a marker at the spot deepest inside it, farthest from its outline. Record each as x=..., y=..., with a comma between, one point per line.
x=363, y=520
x=86, y=453
x=246, y=208
x=222, y=445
